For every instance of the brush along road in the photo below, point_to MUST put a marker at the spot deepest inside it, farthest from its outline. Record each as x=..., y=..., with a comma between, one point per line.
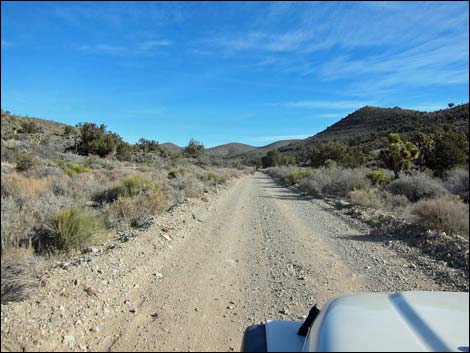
x=206, y=270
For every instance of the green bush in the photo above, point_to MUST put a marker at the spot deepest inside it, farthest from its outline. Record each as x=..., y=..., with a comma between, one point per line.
x=24, y=161
x=74, y=229
x=96, y=140
x=379, y=177
x=75, y=169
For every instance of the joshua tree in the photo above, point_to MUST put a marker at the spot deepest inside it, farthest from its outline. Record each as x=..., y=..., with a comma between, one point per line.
x=397, y=155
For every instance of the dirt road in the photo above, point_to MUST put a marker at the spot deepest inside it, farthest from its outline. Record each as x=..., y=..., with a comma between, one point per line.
x=256, y=251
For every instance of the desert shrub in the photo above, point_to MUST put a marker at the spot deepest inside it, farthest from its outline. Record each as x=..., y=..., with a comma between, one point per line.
x=135, y=185
x=457, y=182
x=294, y=176
x=75, y=169
x=416, y=187
x=273, y=158
x=330, y=163
x=25, y=212
x=147, y=146
x=334, y=181
x=135, y=211
x=96, y=140
x=17, y=224
x=393, y=202
x=185, y=186
x=447, y=214
x=213, y=179
x=363, y=198
x=124, y=151
x=449, y=151
x=24, y=161
x=194, y=149
x=20, y=278
x=68, y=130
x=129, y=186
x=74, y=229
x=29, y=127
x=379, y=177
x=59, y=162
x=180, y=171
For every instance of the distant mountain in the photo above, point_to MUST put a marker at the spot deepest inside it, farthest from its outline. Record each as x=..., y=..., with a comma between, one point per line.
x=229, y=150
x=170, y=147
x=234, y=149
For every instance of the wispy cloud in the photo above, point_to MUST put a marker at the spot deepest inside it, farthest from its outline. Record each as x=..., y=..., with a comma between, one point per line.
x=150, y=44
x=407, y=43
x=146, y=47
x=103, y=48
x=6, y=43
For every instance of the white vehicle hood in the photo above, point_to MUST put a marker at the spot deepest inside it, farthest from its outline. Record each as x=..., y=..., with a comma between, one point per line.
x=409, y=321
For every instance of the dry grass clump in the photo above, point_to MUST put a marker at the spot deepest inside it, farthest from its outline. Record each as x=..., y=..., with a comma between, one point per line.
x=23, y=187
x=135, y=211
x=446, y=214
x=363, y=198
x=20, y=278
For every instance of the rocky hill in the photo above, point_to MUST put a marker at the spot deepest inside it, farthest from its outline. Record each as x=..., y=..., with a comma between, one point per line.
x=369, y=124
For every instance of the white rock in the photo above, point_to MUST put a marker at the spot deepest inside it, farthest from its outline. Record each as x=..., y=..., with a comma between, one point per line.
x=69, y=341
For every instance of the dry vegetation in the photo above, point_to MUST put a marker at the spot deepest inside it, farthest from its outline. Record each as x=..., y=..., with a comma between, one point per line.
x=55, y=203
x=434, y=203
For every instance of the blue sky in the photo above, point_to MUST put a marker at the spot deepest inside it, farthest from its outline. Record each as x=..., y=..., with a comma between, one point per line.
x=222, y=72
